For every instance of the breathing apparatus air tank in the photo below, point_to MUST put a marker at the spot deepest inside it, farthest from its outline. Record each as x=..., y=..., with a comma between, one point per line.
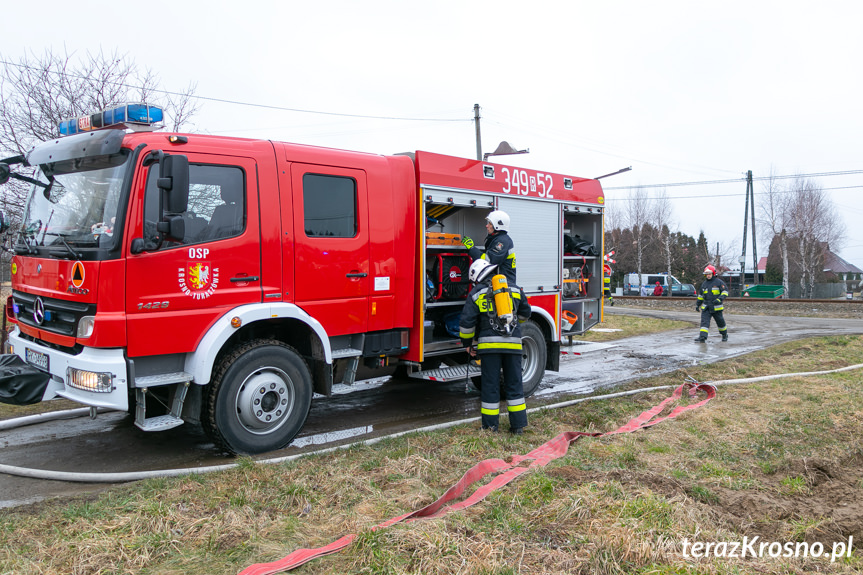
x=502, y=299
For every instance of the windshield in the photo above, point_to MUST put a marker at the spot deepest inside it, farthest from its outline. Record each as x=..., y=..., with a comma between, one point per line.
x=77, y=205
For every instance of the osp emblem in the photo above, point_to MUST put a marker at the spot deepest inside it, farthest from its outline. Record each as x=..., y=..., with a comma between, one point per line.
x=198, y=279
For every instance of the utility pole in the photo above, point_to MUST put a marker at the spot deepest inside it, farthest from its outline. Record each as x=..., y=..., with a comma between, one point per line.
x=745, y=228
x=751, y=190
x=750, y=193
x=478, y=137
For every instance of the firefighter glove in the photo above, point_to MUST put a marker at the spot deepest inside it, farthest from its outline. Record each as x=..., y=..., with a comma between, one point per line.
x=468, y=243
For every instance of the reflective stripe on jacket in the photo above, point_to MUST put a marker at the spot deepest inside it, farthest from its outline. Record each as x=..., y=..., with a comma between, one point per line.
x=712, y=293
x=475, y=323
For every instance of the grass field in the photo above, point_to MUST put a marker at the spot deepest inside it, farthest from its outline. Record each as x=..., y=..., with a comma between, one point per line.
x=780, y=460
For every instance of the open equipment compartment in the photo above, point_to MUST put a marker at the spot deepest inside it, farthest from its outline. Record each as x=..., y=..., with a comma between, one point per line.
x=581, y=268
x=448, y=218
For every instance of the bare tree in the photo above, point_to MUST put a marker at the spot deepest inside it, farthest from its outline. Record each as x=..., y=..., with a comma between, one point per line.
x=723, y=252
x=775, y=210
x=612, y=215
x=38, y=92
x=816, y=224
x=636, y=215
x=663, y=213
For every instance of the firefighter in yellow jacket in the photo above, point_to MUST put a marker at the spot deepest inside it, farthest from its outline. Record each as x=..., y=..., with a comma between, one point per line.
x=492, y=317
x=711, y=303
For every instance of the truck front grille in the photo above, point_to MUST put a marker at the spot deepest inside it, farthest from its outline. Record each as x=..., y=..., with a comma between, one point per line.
x=60, y=316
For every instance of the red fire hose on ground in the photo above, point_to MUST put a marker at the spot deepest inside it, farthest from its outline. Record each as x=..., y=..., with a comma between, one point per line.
x=506, y=470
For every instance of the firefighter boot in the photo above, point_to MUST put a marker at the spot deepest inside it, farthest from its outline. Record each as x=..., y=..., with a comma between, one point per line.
x=701, y=338
x=724, y=336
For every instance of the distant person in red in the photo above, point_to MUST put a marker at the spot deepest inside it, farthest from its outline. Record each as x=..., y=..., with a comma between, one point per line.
x=658, y=289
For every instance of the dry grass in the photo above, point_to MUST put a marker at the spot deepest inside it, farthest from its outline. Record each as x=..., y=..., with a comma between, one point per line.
x=780, y=459
x=630, y=326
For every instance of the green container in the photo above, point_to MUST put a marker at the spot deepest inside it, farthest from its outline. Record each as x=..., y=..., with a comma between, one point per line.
x=764, y=291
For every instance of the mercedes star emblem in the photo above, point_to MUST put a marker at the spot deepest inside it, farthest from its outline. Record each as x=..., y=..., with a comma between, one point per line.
x=39, y=311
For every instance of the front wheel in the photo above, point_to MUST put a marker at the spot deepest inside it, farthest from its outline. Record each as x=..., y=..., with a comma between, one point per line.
x=259, y=398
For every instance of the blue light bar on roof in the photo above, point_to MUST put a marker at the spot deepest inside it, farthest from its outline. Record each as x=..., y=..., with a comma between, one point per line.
x=136, y=114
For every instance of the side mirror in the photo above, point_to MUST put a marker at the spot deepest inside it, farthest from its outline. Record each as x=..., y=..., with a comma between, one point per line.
x=4, y=173
x=174, y=179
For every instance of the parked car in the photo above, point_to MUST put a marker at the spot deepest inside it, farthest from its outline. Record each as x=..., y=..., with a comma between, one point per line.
x=683, y=290
x=632, y=283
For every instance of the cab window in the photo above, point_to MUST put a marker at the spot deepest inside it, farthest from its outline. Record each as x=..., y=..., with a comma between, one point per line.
x=216, y=210
x=329, y=206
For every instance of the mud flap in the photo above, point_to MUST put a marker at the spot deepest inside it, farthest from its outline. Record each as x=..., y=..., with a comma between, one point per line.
x=21, y=383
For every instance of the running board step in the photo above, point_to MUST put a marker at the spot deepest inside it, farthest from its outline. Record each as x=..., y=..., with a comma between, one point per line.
x=447, y=373
x=163, y=379
x=160, y=422
x=346, y=352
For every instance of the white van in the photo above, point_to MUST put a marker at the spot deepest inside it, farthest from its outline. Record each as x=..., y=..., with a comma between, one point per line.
x=632, y=284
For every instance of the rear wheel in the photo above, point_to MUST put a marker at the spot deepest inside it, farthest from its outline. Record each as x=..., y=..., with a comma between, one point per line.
x=259, y=398
x=534, y=352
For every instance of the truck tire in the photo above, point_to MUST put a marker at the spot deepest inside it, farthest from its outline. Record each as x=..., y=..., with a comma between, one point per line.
x=534, y=352
x=259, y=398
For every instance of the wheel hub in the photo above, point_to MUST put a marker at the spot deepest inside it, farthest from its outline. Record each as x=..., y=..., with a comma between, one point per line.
x=265, y=400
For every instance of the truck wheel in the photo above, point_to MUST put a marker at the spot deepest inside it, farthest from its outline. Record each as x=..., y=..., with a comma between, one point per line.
x=259, y=398
x=533, y=356
x=534, y=352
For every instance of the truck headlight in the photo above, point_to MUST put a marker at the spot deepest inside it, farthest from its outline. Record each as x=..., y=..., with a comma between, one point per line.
x=86, y=325
x=99, y=382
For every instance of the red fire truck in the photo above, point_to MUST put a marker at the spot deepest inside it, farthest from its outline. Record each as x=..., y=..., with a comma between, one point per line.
x=229, y=279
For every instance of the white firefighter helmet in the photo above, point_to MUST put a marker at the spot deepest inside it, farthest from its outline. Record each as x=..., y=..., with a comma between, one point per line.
x=499, y=220
x=480, y=269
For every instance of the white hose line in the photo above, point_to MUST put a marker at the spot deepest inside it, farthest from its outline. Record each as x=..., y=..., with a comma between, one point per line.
x=139, y=475
x=766, y=377
x=47, y=416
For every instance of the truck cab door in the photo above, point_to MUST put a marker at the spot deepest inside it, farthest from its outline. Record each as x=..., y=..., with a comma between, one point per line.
x=331, y=256
x=176, y=291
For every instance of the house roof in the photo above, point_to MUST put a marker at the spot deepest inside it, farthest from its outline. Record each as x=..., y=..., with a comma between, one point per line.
x=833, y=263
x=837, y=265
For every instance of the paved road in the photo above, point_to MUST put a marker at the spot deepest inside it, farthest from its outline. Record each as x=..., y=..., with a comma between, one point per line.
x=379, y=406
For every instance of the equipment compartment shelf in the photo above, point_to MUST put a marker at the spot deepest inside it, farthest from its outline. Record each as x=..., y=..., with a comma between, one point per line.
x=445, y=303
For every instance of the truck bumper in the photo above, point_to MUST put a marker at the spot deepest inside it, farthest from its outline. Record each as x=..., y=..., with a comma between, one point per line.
x=108, y=366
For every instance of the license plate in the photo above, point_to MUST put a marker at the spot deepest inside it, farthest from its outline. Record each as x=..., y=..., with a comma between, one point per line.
x=36, y=358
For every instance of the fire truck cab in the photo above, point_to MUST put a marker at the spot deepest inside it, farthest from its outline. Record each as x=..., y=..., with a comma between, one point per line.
x=230, y=279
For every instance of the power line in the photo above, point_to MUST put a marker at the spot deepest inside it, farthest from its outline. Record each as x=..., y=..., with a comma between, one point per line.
x=569, y=139
x=738, y=180
x=253, y=105
x=728, y=195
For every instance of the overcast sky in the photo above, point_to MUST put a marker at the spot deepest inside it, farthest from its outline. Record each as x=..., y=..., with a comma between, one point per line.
x=682, y=91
